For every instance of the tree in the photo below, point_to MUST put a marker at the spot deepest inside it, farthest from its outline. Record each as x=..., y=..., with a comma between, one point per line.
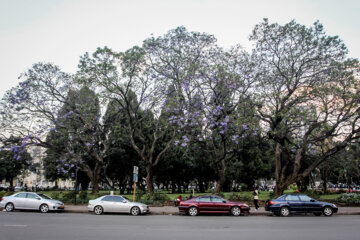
x=138, y=96
x=308, y=96
x=121, y=157
x=210, y=85
x=13, y=162
x=50, y=100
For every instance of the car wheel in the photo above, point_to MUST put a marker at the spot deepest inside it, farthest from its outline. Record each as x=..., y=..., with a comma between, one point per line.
x=9, y=207
x=98, y=210
x=327, y=211
x=284, y=211
x=135, y=211
x=193, y=211
x=235, y=211
x=317, y=213
x=44, y=208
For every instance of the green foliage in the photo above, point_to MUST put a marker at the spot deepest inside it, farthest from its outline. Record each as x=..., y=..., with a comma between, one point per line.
x=55, y=195
x=349, y=198
x=314, y=193
x=68, y=197
x=220, y=194
x=83, y=195
x=138, y=195
x=156, y=197
x=4, y=194
x=13, y=164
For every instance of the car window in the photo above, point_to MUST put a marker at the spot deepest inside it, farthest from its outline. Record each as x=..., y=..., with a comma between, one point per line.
x=305, y=198
x=117, y=199
x=31, y=195
x=216, y=199
x=292, y=198
x=21, y=195
x=203, y=199
x=281, y=197
x=108, y=199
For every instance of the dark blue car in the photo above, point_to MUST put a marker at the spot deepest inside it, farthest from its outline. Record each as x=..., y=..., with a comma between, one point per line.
x=299, y=203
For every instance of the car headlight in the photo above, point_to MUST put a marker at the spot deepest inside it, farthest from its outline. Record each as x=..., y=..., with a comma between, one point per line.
x=59, y=204
x=245, y=205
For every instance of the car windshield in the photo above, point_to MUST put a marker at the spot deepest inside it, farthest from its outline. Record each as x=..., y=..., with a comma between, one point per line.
x=44, y=196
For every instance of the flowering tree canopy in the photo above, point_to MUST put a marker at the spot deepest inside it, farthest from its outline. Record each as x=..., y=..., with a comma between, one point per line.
x=308, y=95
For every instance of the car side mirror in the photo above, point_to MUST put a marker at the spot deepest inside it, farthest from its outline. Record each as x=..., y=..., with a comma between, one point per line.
x=38, y=198
x=224, y=201
x=124, y=201
x=312, y=200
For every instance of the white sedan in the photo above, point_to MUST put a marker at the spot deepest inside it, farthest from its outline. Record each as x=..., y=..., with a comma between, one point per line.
x=116, y=203
x=30, y=201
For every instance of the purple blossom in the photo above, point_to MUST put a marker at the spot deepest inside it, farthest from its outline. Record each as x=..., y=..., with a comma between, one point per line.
x=184, y=144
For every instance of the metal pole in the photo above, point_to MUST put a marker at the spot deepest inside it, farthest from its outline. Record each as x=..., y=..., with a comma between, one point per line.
x=76, y=169
x=134, y=191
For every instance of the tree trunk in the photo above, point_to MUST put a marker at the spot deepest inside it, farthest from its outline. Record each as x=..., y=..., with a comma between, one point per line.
x=173, y=187
x=279, y=189
x=149, y=180
x=201, y=186
x=222, y=178
x=179, y=187
x=11, y=183
x=95, y=185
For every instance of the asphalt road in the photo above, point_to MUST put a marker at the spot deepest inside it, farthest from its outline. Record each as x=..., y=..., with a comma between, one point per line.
x=52, y=226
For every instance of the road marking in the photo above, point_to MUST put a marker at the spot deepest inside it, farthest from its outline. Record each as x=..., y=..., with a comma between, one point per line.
x=8, y=225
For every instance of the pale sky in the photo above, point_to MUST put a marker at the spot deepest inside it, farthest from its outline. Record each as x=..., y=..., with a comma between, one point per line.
x=60, y=31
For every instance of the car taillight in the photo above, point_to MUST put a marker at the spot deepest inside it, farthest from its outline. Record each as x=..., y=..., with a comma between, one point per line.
x=271, y=202
x=2, y=198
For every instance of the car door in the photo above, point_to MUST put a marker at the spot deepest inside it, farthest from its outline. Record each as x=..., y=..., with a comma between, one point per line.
x=33, y=201
x=310, y=205
x=119, y=205
x=294, y=203
x=107, y=203
x=19, y=200
x=218, y=204
x=204, y=204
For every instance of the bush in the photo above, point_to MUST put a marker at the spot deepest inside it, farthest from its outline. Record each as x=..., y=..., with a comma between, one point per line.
x=349, y=198
x=313, y=193
x=241, y=197
x=235, y=197
x=155, y=198
x=220, y=194
x=68, y=197
x=55, y=195
x=4, y=194
x=83, y=195
x=243, y=187
x=139, y=194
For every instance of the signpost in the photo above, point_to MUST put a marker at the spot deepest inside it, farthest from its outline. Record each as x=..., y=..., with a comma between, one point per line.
x=135, y=179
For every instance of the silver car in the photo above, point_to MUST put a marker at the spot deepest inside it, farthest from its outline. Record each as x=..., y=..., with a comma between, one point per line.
x=116, y=203
x=30, y=201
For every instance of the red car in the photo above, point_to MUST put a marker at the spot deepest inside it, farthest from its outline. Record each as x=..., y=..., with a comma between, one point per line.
x=212, y=204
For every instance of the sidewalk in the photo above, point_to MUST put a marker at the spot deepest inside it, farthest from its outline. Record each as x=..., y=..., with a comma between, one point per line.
x=170, y=210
